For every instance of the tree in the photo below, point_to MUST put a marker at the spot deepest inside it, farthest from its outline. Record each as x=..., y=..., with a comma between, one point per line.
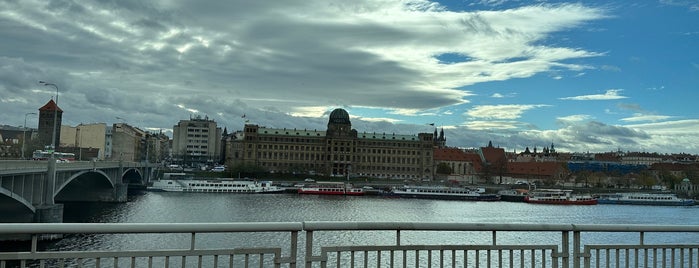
x=444, y=169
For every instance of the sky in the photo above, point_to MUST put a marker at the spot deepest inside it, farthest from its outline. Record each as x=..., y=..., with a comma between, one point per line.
x=588, y=76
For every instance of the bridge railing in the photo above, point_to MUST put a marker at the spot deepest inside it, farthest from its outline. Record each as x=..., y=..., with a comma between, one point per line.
x=28, y=165
x=22, y=164
x=361, y=244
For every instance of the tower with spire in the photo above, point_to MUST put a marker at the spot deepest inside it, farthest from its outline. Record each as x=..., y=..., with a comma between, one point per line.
x=440, y=141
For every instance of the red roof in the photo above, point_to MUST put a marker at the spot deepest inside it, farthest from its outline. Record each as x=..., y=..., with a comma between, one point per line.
x=449, y=154
x=50, y=106
x=493, y=155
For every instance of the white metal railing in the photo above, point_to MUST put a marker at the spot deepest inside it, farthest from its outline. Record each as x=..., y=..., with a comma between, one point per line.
x=190, y=256
x=375, y=250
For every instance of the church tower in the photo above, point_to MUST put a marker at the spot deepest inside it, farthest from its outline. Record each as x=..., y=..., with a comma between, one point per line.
x=47, y=113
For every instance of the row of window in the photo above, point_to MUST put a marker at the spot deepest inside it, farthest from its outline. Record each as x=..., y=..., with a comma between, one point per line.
x=389, y=159
x=197, y=152
x=198, y=136
x=361, y=170
x=205, y=130
x=271, y=139
x=335, y=149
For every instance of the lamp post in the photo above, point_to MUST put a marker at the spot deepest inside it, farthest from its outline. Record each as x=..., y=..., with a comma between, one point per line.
x=55, y=118
x=121, y=142
x=24, y=132
x=51, y=179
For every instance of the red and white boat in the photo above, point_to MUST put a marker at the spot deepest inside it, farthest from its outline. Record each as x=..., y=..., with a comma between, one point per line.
x=331, y=188
x=559, y=197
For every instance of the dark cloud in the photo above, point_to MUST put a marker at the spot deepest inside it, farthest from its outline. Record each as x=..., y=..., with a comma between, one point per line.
x=156, y=62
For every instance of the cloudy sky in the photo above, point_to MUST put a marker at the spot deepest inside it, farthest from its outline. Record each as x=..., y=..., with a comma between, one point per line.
x=586, y=76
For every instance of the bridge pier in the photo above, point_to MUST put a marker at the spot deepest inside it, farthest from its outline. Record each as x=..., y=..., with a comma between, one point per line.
x=49, y=213
x=121, y=192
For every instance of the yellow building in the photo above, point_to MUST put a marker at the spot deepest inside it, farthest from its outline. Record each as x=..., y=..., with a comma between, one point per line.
x=85, y=137
x=338, y=151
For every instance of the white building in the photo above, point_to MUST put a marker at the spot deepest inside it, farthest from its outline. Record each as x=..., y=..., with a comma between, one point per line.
x=196, y=141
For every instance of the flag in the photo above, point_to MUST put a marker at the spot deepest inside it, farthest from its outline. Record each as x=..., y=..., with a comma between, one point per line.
x=431, y=124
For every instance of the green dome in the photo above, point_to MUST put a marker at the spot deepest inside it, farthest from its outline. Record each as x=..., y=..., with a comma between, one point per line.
x=339, y=116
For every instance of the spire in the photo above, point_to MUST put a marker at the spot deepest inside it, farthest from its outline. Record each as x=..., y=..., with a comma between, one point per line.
x=441, y=135
x=435, y=135
x=490, y=144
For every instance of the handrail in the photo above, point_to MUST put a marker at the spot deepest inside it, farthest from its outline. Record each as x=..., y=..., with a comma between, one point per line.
x=74, y=228
x=453, y=226
x=568, y=252
x=113, y=228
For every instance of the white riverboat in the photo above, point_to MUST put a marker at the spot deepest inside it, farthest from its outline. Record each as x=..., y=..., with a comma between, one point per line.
x=213, y=186
x=445, y=193
x=650, y=199
x=559, y=197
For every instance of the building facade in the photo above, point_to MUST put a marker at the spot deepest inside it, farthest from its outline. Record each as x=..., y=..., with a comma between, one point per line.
x=196, y=141
x=338, y=151
x=127, y=143
x=88, y=139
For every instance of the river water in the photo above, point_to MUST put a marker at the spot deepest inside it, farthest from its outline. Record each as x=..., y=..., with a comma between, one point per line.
x=165, y=207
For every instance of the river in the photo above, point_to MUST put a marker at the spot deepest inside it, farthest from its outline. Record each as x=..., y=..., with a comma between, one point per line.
x=165, y=207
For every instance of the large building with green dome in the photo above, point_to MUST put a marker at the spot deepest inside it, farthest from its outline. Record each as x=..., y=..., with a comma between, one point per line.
x=337, y=151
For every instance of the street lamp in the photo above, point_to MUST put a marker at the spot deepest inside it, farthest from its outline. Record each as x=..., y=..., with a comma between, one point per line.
x=55, y=117
x=121, y=142
x=24, y=132
x=51, y=179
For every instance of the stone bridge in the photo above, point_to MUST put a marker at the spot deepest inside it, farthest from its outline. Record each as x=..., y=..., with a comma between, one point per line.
x=32, y=191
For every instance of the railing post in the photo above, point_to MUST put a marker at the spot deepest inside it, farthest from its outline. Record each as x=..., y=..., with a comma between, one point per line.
x=294, y=249
x=565, y=249
x=576, y=249
x=309, y=249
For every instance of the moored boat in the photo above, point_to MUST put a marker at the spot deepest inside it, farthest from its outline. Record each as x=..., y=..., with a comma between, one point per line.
x=214, y=186
x=445, y=193
x=513, y=195
x=651, y=199
x=330, y=188
x=559, y=197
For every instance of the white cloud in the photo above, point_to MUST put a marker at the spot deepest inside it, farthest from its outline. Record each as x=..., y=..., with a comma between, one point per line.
x=638, y=117
x=380, y=119
x=575, y=118
x=309, y=111
x=611, y=94
x=492, y=125
x=506, y=111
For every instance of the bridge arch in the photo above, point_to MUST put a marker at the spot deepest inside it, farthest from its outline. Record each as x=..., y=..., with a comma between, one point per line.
x=10, y=195
x=15, y=208
x=85, y=186
x=132, y=175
